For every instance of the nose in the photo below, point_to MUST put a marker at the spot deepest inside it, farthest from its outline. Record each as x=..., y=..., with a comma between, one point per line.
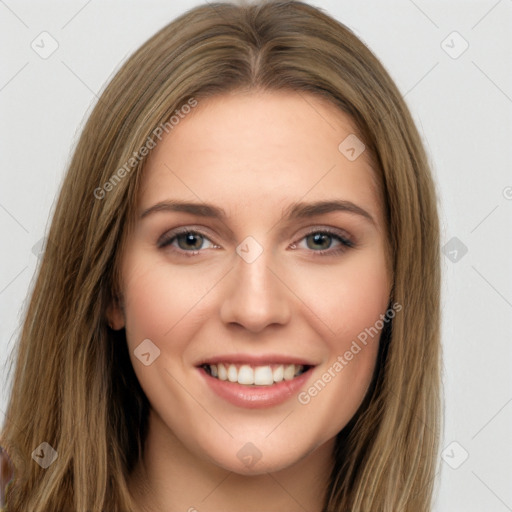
x=256, y=296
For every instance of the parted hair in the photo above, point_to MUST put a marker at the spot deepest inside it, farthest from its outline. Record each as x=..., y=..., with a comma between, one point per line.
x=73, y=385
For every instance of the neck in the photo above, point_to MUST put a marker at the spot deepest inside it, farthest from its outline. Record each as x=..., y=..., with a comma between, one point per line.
x=170, y=477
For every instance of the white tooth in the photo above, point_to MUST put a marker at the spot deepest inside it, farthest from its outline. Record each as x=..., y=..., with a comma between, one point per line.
x=263, y=376
x=232, y=373
x=298, y=369
x=289, y=372
x=245, y=374
x=213, y=370
x=278, y=373
x=223, y=374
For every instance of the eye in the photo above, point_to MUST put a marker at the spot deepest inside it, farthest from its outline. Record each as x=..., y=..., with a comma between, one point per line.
x=325, y=242
x=186, y=241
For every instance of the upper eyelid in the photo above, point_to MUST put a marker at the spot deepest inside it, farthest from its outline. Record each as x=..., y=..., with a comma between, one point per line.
x=326, y=229
x=172, y=234
x=345, y=241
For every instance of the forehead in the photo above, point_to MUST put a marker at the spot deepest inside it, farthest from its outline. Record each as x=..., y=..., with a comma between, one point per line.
x=260, y=148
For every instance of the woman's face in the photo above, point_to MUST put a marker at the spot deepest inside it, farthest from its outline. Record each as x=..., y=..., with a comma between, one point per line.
x=256, y=264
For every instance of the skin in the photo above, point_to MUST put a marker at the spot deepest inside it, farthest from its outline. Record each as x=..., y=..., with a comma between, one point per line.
x=252, y=154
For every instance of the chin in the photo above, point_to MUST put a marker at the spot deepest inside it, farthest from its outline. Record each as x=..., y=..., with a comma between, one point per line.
x=259, y=457
x=276, y=462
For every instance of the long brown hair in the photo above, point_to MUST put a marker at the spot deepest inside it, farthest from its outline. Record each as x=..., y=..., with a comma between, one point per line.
x=74, y=387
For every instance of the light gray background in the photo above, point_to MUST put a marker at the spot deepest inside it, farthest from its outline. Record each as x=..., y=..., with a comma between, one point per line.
x=462, y=106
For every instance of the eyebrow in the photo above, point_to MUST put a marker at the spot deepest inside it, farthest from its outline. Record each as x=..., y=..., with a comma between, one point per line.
x=299, y=210
x=303, y=210
x=199, y=209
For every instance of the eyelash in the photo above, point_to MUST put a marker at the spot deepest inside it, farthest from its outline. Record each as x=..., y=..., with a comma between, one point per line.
x=345, y=243
x=166, y=240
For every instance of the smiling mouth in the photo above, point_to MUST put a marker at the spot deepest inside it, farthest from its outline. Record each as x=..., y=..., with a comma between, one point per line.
x=251, y=375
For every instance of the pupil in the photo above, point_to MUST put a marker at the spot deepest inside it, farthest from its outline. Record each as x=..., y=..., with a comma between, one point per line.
x=322, y=240
x=189, y=239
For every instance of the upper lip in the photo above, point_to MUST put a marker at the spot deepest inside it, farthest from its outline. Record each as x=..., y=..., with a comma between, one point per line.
x=256, y=360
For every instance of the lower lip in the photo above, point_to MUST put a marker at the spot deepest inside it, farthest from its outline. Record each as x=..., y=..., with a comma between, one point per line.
x=256, y=397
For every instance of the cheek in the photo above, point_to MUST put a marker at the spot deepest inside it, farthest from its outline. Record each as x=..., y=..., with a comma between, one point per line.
x=346, y=298
x=347, y=307
x=157, y=309
x=147, y=298
x=158, y=299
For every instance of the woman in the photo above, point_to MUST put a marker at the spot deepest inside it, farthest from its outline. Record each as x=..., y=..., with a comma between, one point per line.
x=238, y=305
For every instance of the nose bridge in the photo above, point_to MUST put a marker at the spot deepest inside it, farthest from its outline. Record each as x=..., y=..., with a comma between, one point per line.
x=256, y=298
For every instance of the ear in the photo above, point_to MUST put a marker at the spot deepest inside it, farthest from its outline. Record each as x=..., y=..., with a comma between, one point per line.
x=115, y=315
